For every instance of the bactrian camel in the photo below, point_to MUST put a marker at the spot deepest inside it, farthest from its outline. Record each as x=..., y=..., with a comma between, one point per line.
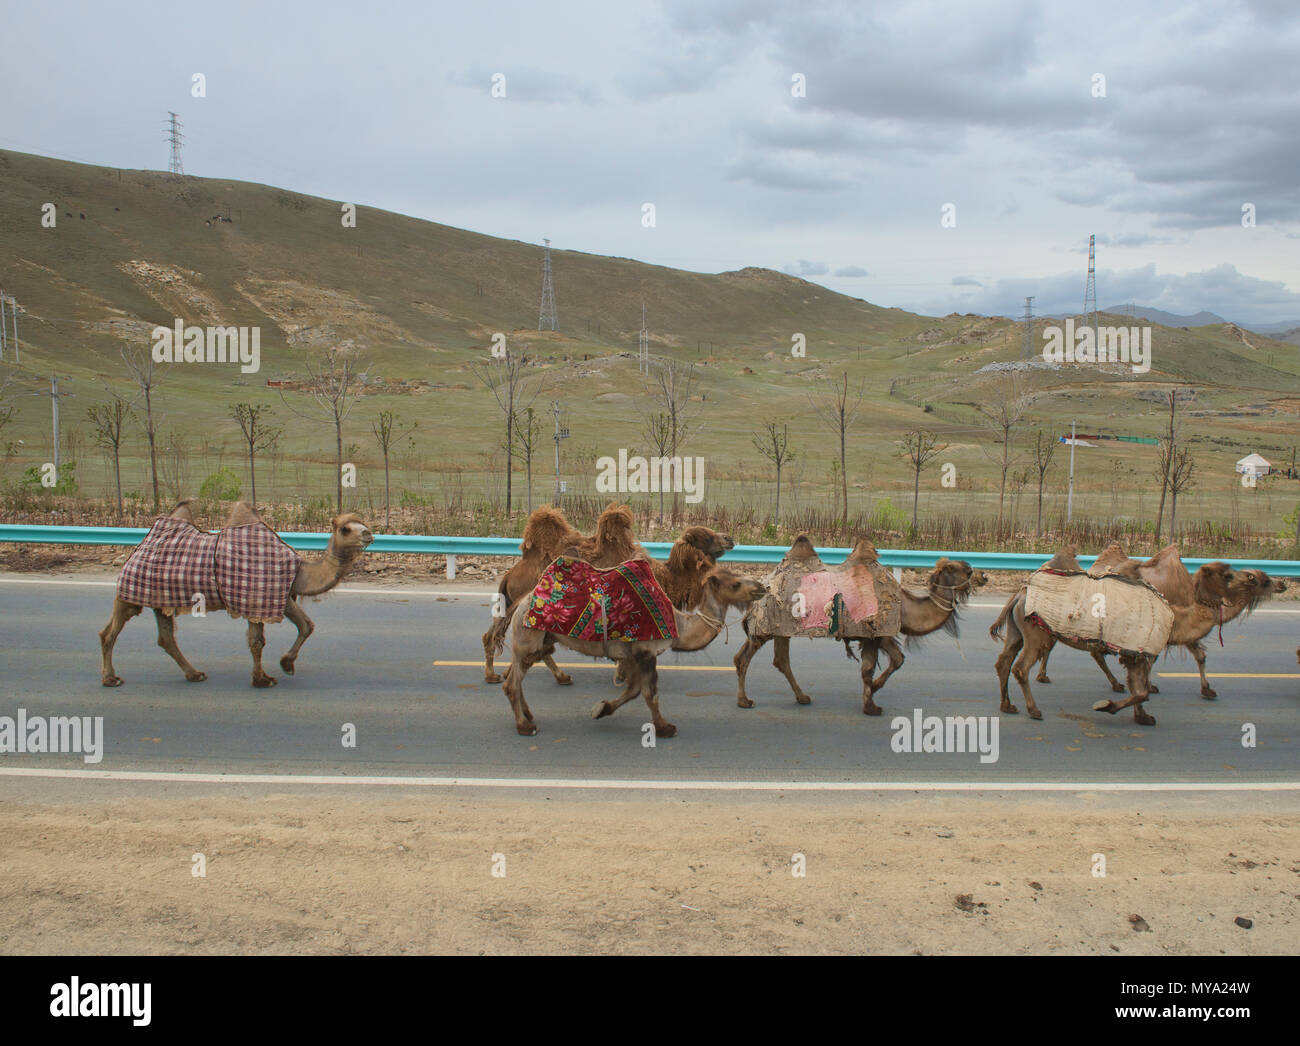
x=924, y=611
x=1212, y=585
x=349, y=537
x=720, y=591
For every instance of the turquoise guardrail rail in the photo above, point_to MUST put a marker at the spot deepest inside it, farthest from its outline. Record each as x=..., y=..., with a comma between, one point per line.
x=469, y=546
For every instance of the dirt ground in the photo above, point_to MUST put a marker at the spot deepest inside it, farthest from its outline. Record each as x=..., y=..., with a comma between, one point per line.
x=305, y=875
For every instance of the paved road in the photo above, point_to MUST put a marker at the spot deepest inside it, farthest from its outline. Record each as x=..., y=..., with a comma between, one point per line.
x=371, y=663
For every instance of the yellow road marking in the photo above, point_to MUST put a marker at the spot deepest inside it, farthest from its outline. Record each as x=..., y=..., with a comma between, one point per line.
x=596, y=664
x=1231, y=675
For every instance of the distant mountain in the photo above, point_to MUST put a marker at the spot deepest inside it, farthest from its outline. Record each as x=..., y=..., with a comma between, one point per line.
x=1285, y=327
x=1169, y=319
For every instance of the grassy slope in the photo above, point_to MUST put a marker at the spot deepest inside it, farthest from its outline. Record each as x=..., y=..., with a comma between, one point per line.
x=421, y=300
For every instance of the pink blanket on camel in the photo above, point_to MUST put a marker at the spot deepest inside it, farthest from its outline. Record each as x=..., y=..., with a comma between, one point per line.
x=575, y=599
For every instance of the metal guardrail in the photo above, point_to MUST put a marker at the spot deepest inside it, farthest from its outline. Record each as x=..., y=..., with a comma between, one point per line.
x=469, y=546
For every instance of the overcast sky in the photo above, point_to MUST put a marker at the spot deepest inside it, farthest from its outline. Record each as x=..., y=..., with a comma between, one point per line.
x=692, y=107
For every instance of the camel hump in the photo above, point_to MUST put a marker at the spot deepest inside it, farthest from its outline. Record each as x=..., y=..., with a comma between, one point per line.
x=183, y=510
x=863, y=552
x=242, y=514
x=1065, y=559
x=802, y=549
x=1168, y=554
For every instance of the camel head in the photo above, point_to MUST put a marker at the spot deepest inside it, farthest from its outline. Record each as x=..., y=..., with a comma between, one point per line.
x=349, y=536
x=709, y=542
x=1217, y=583
x=953, y=580
x=1251, y=586
x=727, y=589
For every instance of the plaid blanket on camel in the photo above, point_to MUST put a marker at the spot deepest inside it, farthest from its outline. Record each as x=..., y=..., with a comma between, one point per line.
x=575, y=599
x=245, y=570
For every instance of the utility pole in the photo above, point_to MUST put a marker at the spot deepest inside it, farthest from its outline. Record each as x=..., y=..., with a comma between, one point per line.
x=54, y=395
x=546, y=319
x=175, y=138
x=561, y=432
x=2, y=323
x=1069, y=501
x=1090, y=291
x=643, y=347
x=1029, y=327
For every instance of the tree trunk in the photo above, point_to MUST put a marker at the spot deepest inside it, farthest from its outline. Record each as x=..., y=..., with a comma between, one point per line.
x=916, y=496
x=338, y=451
x=153, y=453
x=1038, y=524
x=117, y=475
x=387, y=508
x=844, y=474
x=777, y=519
x=252, y=474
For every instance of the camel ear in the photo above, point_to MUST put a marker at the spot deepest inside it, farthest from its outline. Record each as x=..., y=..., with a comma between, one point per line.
x=942, y=562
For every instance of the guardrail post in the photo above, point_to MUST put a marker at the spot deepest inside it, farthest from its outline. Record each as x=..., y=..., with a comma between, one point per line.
x=451, y=568
x=898, y=574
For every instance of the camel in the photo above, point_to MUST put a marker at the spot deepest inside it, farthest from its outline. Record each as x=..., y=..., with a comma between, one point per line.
x=720, y=590
x=1165, y=573
x=547, y=535
x=923, y=611
x=1213, y=585
x=349, y=537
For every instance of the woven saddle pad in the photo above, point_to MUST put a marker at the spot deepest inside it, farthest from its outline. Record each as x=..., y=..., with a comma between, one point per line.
x=1122, y=615
x=575, y=599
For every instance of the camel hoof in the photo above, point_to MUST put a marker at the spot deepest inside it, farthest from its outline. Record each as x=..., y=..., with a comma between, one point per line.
x=1154, y=689
x=667, y=730
x=1042, y=679
x=491, y=677
x=197, y=677
x=1118, y=688
x=1143, y=719
x=564, y=679
x=526, y=729
x=744, y=702
x=1208, y=693
x=872, y=709
x=286, y=665
x=601, y=710
x=803, y=699
x=1104, y=706
x=1009, y=709
x=1034, y=713
x=263, y=681
x=112, y=680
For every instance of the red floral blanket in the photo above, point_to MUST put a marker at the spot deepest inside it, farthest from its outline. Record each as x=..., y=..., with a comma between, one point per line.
x=575, y=599
x=246, y=570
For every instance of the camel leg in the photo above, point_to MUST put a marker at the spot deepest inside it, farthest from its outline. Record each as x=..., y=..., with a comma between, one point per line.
x=895, y=653
x=1139, y=682
x=1028, y=658
x=167, y=640
x=1198, y=652
x=525, y=651
x=122, y=613
x=630, y=673
x=256, y=641
x=491, y=640
x=781, y=662
x=306, y=627
x=1115, y=684
x=1042, y=676
x=753, y=644
x=1014, y=641
x=563, y=678
x=650, y=691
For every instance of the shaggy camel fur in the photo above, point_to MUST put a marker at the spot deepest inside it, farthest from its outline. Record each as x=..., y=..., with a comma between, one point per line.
x=924, y=611
x=721, y=590
x=547, y=534
x=1165, y=573
x=349, y=537
x=1213, y=585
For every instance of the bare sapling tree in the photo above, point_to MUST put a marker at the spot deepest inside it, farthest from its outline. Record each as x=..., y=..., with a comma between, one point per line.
x=672, y=385
x=108, y=427
x=527, y=430
x=1044, y=448
x=920, y=447
x=334, y=382
x=140, y=365
x=657, y=431
x=837, y=404
x=774, y=444
x=1182, y=476
x=504, y=376
x=259, y=435
x=1166, y=459
x=7, y=412
x=1002, y=412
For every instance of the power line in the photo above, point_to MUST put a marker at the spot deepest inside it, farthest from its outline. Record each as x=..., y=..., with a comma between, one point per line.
x=1090, y=292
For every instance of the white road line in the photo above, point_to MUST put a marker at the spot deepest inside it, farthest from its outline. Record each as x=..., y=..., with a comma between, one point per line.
x=633, y=785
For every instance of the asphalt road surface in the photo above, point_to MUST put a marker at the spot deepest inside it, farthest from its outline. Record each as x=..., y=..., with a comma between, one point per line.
x=391, y=663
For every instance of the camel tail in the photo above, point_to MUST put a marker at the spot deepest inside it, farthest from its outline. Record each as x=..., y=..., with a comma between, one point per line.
x=995, y=630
